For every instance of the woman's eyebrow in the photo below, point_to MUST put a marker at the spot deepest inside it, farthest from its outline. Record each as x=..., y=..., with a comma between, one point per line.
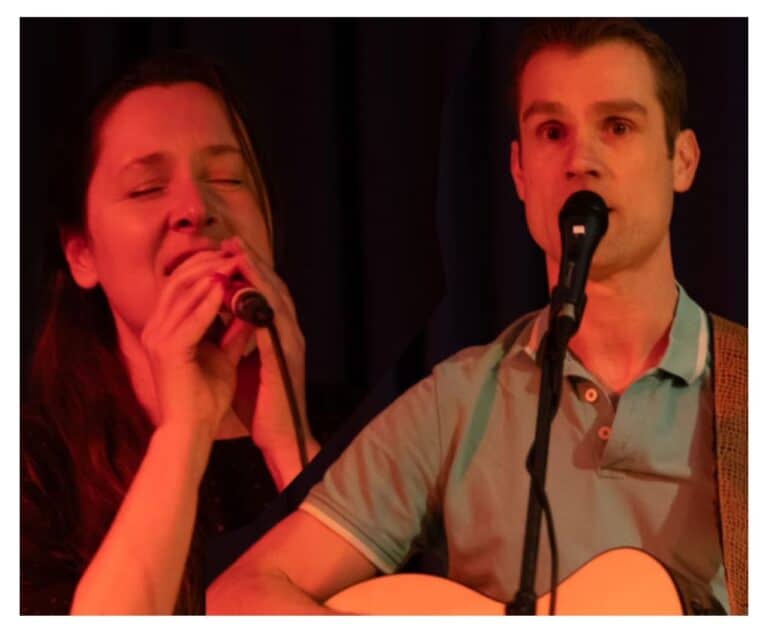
x=150, y=160
x=155, y=159
x=215, y=150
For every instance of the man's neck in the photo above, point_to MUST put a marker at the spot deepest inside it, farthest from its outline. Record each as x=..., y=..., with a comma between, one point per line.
x=625, y=328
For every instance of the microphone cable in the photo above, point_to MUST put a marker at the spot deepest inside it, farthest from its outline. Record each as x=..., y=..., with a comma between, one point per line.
x=251, y=306
x=541, y=496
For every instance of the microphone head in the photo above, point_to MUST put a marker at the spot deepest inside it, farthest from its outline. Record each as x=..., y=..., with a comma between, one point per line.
x=583, y=222
x=246, y=303
x=583, y=219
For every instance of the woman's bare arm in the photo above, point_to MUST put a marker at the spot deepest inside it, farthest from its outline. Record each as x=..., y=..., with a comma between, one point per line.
x=139, y=564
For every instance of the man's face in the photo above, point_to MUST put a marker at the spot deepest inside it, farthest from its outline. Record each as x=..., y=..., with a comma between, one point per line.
x=591, y=120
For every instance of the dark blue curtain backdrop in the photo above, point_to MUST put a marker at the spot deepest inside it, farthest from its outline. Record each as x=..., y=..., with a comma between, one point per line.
x=385, y=144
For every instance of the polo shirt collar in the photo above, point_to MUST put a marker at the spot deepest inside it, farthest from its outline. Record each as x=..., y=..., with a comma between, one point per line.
x=686, y=354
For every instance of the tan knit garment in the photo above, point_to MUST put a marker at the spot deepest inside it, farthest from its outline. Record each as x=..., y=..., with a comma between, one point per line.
x=730, y=385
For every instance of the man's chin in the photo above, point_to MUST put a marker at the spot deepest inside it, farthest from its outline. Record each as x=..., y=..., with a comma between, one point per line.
x=607, y=263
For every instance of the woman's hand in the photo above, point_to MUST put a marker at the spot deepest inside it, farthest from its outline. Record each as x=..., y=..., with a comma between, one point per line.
x=261, y=399
x=194, y=378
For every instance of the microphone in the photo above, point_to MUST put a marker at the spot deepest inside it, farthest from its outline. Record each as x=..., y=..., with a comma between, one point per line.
x=583, y=222
x=244, y=302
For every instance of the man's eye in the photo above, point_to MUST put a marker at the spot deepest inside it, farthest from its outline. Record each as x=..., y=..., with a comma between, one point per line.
x=619, y=127
x=552, y=132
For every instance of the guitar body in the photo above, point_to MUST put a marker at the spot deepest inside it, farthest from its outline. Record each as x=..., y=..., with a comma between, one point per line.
x=625, y=581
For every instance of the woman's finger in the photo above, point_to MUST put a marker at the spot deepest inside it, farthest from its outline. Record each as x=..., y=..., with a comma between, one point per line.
x=275, y=291
x=266, y=282
x=196, y=268
x=168, y=332
x=200, y=316
x=236, y=339
x=186, y=302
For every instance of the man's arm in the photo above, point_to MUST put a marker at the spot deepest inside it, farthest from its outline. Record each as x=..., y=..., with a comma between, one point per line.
x=292, y=569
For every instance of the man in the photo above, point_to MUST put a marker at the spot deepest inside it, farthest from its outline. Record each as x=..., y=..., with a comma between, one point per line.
x=599, y=106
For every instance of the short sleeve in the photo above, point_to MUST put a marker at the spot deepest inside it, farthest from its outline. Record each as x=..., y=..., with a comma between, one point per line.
x=381, y=495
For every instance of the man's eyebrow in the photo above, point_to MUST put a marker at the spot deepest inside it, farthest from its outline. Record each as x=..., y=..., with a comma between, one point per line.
x=541, y=107
x=620, y=106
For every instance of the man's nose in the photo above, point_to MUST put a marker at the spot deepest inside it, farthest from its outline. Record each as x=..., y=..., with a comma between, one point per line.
x=190, y=209
x=583, y=157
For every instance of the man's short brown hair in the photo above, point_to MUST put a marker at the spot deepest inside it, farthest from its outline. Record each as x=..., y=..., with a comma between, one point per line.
x=581, y=33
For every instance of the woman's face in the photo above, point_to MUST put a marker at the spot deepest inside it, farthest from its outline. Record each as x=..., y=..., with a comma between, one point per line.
x=170, y=180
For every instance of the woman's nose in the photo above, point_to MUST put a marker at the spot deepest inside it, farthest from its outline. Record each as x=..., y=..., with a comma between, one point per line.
x=190, y=210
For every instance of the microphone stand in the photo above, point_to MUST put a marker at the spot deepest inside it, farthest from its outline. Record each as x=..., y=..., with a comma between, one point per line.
x=583, y=222
x=554, y=345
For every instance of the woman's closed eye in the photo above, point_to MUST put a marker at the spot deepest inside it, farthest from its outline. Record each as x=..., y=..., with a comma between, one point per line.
x=146, y=191
x=225, y=182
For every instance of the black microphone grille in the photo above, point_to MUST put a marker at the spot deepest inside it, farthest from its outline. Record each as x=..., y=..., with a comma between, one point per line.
x=251, y=306
x=583, y=205
x=584, y=202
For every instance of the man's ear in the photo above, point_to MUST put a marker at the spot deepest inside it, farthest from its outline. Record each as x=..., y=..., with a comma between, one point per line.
x=80, y=259
x=685, y=160
x=516, y=169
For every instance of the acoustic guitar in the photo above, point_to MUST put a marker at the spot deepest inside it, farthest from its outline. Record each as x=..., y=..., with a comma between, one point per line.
x=624, y=581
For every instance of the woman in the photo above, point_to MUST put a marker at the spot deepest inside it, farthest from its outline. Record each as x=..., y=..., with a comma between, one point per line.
x=135, y=440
